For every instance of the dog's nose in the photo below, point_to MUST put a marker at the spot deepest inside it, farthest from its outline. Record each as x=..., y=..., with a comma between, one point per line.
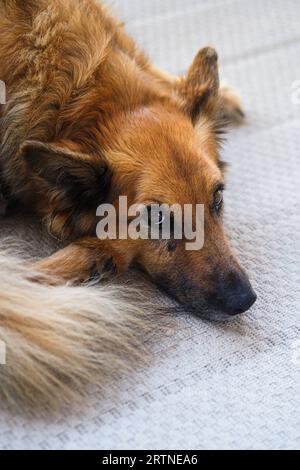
x=238, y=294
x=240, y=303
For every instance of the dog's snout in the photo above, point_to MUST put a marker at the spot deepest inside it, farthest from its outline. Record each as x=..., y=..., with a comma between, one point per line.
x=238, y=294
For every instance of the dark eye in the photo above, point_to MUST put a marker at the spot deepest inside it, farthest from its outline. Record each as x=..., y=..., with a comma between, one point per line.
x=157, y=217
x=218, y=199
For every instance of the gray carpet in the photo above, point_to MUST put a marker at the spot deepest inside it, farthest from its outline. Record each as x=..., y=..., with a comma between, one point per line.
x=233, y=385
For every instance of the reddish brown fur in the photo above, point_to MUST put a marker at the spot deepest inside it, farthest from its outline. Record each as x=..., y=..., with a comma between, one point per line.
x=89, y=118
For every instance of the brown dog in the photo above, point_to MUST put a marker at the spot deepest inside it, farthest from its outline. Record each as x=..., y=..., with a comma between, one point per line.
x=88, y=119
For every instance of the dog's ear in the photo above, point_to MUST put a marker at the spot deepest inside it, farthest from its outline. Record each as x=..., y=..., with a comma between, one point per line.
x=199, y=89
x=78, y=178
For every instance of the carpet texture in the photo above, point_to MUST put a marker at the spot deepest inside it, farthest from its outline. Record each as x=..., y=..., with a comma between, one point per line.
x=233, y=385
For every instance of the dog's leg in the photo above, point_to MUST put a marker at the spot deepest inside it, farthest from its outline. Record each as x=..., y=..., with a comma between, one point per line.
x=85, y=260
x=231, y=106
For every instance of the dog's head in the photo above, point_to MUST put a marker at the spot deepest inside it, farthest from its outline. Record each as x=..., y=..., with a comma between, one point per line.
x=175, y=153
x=182, y=171
x=164, y=152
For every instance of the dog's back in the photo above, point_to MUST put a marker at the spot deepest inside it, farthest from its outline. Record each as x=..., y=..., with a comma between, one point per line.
x=49, y=51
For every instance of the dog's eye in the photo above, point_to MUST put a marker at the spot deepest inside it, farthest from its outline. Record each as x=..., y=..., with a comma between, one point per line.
x=157, y=217
x=218, y=199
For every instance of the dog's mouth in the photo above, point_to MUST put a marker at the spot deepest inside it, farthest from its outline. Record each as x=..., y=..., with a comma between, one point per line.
x=210, y=314
x=213, y=305
x=200, y=306
x=204, y=311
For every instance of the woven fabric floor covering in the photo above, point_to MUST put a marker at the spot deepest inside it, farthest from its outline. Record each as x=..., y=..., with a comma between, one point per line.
x=234, y=385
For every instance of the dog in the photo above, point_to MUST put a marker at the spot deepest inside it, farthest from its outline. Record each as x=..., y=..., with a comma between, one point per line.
x=88, y=119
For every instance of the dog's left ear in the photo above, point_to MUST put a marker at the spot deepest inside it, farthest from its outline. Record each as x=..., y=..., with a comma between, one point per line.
x=199, y=89
x=74, y=183
x=77, y=177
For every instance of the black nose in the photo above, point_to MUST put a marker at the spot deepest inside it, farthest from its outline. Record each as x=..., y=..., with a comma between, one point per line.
x=237, y=294
x=240, y=303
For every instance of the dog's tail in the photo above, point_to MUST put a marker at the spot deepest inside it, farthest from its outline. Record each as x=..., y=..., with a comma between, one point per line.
x=58, y=339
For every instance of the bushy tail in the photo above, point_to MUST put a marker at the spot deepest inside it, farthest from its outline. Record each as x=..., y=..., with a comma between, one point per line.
x=59, y=339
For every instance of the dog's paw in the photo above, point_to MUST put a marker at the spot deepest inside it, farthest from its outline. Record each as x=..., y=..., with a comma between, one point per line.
x=103, y=268
x=232, y=110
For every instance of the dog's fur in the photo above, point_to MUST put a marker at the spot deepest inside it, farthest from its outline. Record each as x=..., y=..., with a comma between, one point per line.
x=61, y=339
x=89, y=118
